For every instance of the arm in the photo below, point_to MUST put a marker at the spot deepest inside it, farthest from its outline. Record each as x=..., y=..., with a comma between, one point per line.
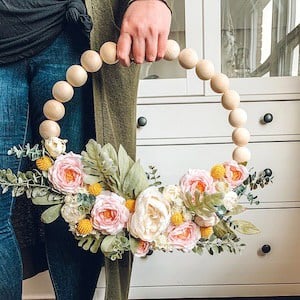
x=144, y=32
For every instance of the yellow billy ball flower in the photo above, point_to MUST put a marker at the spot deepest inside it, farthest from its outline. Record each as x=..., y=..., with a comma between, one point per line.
x=130, y=204
x=217, y=171
x=177, y=219
x=84, y=226
x=206, y=232
x=43, y=163
x=95, y=189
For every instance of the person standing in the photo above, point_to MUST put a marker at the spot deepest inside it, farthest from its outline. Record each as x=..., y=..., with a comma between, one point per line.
x=39, y=40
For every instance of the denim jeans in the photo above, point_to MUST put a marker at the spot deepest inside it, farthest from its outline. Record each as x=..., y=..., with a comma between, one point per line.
x=24, y=87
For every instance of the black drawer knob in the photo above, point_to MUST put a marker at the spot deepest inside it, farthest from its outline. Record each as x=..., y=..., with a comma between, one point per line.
x=142, y=121
x=266, y=249
x=268, y=118
x=268, y=172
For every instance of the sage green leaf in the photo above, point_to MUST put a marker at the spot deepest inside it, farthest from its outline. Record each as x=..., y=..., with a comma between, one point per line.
x=245, y=227
x=51, y=214
x=44, y=200
x=92, y=149
x=236, y=210
x=222, y=229
x=125, y=163
x=39, y=192
x=135, y=181
x=110, y=150
x=107, y=245
x=91, y=179
x=95, y=246
x=5, y=189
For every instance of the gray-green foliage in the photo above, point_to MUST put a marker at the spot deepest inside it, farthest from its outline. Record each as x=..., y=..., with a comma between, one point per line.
x=33, y=153
x=114, y=246
x=117, y=172
x=203, y=205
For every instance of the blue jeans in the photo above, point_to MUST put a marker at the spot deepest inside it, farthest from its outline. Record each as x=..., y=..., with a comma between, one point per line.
x=24, y=87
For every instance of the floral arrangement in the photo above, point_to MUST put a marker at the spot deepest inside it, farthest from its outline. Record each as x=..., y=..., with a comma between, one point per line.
x=112, y=205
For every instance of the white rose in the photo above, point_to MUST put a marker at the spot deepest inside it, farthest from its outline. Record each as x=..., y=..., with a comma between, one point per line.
x=172, y=193
x=70, y=210
x=55, y=146
x=204, y=221
x=230, y=200
x=151, y=216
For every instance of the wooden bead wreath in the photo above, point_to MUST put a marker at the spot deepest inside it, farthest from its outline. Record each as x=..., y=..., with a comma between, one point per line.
x=91, y=61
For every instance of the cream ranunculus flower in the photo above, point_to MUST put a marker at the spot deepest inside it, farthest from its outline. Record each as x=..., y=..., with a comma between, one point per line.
x=70, y=210
x=151, y=217
x=55, y=146
x=173, y=194
x=230, y=200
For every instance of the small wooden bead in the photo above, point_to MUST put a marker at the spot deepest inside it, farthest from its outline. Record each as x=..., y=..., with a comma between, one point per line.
x=219, y=83
x=172, y=51
x=76, y=75
x=62, y=91
x=54, y=110
x=241, y=154
x=91, y=61
x=237, y=117
x=108, y=53
x=49, y=128
x=188, y=58
x=240, y=136
x=231, y=100
x=205, y=69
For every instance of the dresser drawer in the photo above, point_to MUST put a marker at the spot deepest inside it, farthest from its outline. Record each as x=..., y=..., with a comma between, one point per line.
x=279, y=228
x=210, y=119
x=282, y=157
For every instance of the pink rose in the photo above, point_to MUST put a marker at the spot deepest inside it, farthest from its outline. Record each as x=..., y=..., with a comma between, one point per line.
x=109, y=214
x=235, y=173
x=142, y=248
x=66, y=174
x=199, y=180
x=204, y=221
x=185, y=236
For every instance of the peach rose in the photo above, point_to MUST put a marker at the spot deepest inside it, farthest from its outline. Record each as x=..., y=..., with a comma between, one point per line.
x=66, y=174
x=235, y=173
x=184, y=237
x=196, y=179
x=142, y=248
x=109, y=214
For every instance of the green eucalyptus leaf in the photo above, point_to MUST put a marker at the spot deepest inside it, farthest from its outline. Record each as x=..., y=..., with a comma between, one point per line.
x=125, y=163
x=236, y=210
x=44, y=200
x=135, y=181
x=245, y=227
x=51, y=214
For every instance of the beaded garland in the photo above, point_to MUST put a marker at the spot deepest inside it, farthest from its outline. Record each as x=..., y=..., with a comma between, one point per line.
x=92, y=61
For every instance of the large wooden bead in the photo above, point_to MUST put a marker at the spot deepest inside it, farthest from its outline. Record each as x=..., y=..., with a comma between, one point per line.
x=241, y=154
x=91, y=61
x=49, y=128
x=205, y=69
x=231, y=100
x=172, y=51
x=237, y=117
x=240, y=136
x=219, y=83
x=62, y=91
x=188, y=58
x=76, y=75
x=54, y=110
x=108, y=53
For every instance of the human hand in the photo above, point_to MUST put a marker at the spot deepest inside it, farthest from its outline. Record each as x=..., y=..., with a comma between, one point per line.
x=144, y=32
